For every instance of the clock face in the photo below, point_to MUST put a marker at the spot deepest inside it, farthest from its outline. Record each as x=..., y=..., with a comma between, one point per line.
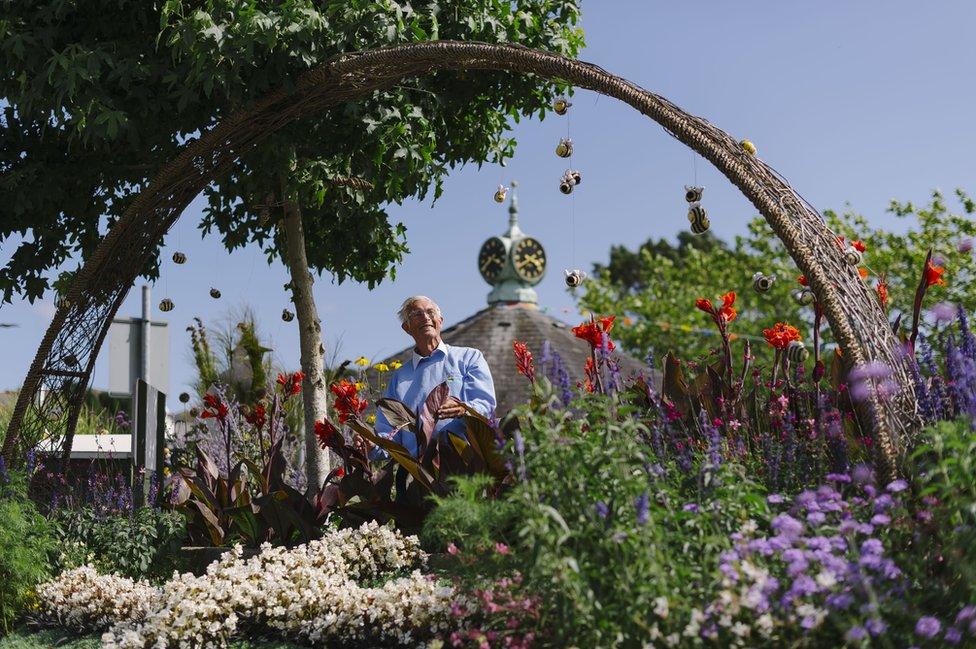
x=530, y=260
x=491, y=259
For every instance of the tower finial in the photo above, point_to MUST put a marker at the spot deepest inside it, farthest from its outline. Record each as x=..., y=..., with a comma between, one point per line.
x=513, y=207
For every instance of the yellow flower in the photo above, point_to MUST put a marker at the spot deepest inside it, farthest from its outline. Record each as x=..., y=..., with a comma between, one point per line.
x=381, y=367
x=362, y=361
x=371, y=420
x=396, y=365
x=360, y=385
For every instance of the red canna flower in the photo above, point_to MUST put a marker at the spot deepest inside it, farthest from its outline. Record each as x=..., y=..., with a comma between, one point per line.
x=325, y=432
x=282, y=379
x=214, y=407
x=727, y=312
x=257, y=416
x=858, y=245
x=781, y=334
x=863, y=272
x=340, y=472
x=802, y=279
x=523, y=360
x=933, y=274
x=291, y=384
x=347, y=403
x=593, y=331
x=704, y=304
x=883, y=292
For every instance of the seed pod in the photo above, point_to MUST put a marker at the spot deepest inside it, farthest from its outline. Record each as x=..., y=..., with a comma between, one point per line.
x=804, y=296
x=565, y=148
x=287, y=315
x=797, y=352
x=501, y=193
x=762, y=283
x=693, y=194
x=561, y=105
x=748, y=147
x=566, y=187
x=179, y=258
x=214, y=293
x=166, y=305
x=184, y=397
x=194, y=412
x=574, y=277
x=853, y=256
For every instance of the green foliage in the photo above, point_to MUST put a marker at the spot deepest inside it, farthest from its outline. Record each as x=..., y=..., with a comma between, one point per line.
x=943, y=466
x=656, y=286
x=142, y=544
x=600, y=527
x=98, y=95
x=469, y=513
x=26, y=543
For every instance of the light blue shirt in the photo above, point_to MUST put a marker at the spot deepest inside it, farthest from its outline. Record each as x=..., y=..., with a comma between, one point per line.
x=468, y=378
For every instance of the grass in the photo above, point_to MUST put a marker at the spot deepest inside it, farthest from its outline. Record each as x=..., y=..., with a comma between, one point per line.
x=24, y=639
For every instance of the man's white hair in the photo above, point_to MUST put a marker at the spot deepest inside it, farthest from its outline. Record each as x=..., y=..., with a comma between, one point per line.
x=404, y=310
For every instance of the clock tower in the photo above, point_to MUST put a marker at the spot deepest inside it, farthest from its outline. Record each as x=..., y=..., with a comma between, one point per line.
x=512, y=263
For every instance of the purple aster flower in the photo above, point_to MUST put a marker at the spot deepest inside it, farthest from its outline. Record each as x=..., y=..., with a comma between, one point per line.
x=642, y=505
x=856, y=634
x=943, y=312
x=690, y=507
x=883, y=502
x=927, y=626
x=838, y=477
x=839, y=601
x=870, y=561
x=965, y=245
x=876, y=626
x=966, y=614
x=862, y=474
x=602, y=510
x=816, y=518
x=953, y=635
x=896, y=486
x=880, y=519
x=870, y=370
x=774, y=499
x=872, y=546
x=787, y=526
x=803, y=585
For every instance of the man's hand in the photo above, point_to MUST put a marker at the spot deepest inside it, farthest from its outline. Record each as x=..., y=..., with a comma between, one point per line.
x=450, y=409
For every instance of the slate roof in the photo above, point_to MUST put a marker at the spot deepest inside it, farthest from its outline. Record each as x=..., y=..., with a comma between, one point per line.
x=492, y=330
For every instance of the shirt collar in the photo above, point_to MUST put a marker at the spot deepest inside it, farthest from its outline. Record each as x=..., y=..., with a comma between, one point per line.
x=416, y=358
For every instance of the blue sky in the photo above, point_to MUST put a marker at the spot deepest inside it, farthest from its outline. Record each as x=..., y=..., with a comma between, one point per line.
x=854, y=102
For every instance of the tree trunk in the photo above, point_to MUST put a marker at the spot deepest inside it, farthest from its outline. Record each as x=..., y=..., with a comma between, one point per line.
x=314, y=397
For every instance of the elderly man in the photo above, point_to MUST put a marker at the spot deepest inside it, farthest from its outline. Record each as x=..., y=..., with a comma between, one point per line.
x=434, y=362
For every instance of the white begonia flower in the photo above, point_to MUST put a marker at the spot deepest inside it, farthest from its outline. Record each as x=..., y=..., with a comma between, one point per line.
x=661, y=607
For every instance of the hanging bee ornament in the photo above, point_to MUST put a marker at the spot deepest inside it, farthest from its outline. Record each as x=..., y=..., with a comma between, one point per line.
x=797, y=352
x=748, y=147
x=501, y=193
x=561, y=105
x=804, y=296
x=179, y=258
x=565, y=186
x=693, y=194
x=166, y=305
x=576, y=176
x=853, y=256
x=762, y=283
x=565, y=148
x=184, y=397
x=574, y=277
x=214, y=293
x=569, y=180
x=700, y=224
x=287, y=315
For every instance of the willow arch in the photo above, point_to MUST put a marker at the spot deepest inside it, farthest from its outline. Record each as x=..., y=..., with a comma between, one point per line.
x=52, y=391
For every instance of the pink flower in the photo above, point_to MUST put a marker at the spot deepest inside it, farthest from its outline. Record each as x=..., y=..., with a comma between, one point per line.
x=501, y=548
x=452, y=549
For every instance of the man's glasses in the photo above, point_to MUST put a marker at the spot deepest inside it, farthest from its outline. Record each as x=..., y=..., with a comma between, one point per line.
x=417, y=314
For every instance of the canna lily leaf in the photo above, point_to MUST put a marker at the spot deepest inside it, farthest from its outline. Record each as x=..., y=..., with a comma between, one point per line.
x=397, y=413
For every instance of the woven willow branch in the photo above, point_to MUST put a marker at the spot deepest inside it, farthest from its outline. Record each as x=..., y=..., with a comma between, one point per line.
x=80, y=325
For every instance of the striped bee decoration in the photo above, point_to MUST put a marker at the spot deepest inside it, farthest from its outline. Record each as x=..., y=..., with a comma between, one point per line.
x=853, y=256
x=565, y=187
x=166, y=305
x=287, y=315
x=179, y=258
x=501, y=193
x=574, y=277
x=561, y=105
x=804, y=296
x=565, y=148
x=797, y=352
x=701, y=225
x=762, y=283
x=214, y=293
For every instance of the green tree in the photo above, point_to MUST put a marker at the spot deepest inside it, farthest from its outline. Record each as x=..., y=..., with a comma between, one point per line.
x=98, y=95
x=655, y=287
